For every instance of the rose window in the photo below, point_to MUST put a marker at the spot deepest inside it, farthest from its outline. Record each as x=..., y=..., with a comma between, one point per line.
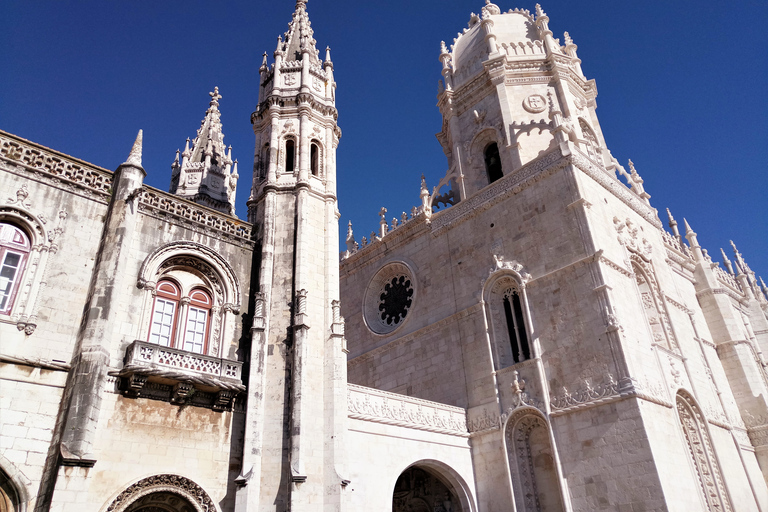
x=396, y=300
x=388, y=298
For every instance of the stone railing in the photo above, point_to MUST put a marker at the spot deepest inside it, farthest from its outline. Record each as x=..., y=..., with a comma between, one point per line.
x=725, y=278
x=164, y=205
x=392, y=409
x=57, y=168
x=186, y=371
x=675, y=244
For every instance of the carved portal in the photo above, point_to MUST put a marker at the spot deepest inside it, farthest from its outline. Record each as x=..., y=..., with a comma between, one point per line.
x=163, y=493
x=702, y=455
x=418, y=490
x=531, y=454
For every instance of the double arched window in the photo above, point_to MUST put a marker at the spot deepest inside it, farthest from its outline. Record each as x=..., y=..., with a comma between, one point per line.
x=180, y=321
x=14, y=252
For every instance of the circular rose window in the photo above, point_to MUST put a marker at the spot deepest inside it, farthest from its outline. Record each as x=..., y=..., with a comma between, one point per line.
x=389, y=298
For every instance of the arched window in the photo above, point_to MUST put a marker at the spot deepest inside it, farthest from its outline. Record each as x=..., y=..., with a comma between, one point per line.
x=197, y=322
x=163, y=327
x=513, y=313
x=170, y=308
x=508, y=322
x=14, y=251
x=493, y=163
x=314, y=157
x=290, y=155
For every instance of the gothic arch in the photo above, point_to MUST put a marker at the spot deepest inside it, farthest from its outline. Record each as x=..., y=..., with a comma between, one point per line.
x=532, y=462
x=476, y=155
x=701, y=453
x=208, y=262
x=508, y=315
x=460, y=494
x=14, y=494
x=320, y=162
x=191, y=497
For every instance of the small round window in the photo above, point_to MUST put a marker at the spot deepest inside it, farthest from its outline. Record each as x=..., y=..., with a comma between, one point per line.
x=389, y=298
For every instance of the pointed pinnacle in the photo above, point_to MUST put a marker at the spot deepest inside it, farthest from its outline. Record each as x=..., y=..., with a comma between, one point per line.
x=671, y=218
x=134, y=158
x=688, y=228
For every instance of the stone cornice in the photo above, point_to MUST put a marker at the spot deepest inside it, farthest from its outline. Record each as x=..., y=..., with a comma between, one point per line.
x=57, y=169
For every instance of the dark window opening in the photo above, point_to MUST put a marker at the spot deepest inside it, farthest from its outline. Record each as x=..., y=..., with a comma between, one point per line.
x=518, y=337
x=290, y=155
x=313, y=156
x=493, y=163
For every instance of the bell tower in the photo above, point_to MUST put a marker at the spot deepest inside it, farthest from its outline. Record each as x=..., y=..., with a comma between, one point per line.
x=511, y=92
x=296, y=419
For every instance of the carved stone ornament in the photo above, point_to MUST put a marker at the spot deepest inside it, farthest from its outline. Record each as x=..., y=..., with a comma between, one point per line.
x=389, y=298
x=535, y=103
x=173, y=484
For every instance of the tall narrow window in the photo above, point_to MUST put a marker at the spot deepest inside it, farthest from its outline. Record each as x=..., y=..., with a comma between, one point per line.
x=493, y=163
x=518, y=338
x=290, y=155
x=14, y=249
x=313, y=159
x=164, y=314
x=197, y=322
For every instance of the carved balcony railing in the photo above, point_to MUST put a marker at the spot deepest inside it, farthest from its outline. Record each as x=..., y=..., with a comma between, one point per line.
x=183, y=377
x=405, y=411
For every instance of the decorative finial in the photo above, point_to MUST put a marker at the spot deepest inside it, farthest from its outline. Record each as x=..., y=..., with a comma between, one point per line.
x=539, y=11
x=176, y=161
x=134, y=158
x=688, y=229
x=632, y=170
x=215, y=97
x=568, y=40
x=327, y=54
x=671, y=218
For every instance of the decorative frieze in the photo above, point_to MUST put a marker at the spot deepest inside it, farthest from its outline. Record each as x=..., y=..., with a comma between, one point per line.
x=392, y=409
x=56, y=168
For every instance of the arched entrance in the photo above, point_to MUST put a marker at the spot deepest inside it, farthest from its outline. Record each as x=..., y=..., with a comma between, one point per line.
x=10, y=498
x=161, y=502
x=429, y=487
x=163, y=493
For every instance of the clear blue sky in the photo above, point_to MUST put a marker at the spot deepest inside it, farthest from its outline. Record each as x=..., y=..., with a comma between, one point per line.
x=682, y=92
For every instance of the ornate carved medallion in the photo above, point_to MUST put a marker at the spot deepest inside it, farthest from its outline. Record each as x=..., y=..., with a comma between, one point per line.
x=535, y=103
x=388, y=298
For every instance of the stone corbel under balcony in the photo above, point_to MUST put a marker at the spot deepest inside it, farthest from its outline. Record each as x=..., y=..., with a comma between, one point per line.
x=187, y=377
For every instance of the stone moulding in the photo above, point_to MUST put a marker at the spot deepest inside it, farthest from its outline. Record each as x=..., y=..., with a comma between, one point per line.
x=188, y=371
x=167, y=207
x=57, y=169
x=175, y=484
x=403, y=411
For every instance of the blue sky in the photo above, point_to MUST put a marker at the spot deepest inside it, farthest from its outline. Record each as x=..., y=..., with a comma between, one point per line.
x=682, y=92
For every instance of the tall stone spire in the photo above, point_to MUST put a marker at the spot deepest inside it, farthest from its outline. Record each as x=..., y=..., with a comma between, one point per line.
x=300, y=38
x=205, y=174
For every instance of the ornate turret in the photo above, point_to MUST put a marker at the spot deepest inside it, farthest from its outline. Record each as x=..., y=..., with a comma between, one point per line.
x=205, y=174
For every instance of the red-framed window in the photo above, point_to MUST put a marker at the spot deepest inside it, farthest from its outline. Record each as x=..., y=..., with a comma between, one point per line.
x=198, y=320
x=14, y=251
x=168, y=310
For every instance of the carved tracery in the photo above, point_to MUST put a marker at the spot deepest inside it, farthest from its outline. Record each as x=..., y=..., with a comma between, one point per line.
x=653, y=305
x=531, y=455
x=702, y=455
x=508, y=319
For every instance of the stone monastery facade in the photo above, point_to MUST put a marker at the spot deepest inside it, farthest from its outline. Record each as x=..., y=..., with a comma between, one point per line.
x=530, y=337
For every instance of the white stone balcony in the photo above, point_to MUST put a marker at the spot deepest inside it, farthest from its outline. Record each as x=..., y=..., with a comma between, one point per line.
x=184, y=374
